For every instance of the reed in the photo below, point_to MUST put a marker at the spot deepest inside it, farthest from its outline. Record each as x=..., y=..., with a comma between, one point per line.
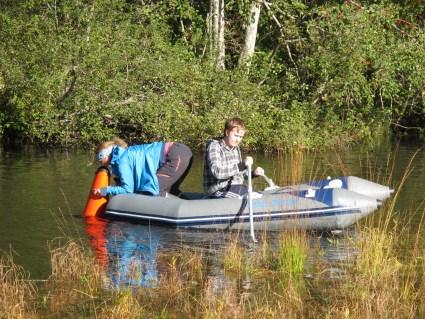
x=17, y=292
x=122, y=304
x=233, y=259
x=291, y=167
x=180, y=287
x=259, y=260
x=381, y=282
x=420, y=291
x=376, y=253
x=75, y=277
x=279, y=291
x=292, y=253
x=224, y=304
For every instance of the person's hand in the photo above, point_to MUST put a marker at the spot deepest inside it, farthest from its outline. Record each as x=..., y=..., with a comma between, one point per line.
x=259, y=171
x=101, y=192
x=249, y=160
x=96, y=192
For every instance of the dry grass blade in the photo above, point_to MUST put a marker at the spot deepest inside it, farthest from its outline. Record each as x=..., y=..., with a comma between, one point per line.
x=16, y=291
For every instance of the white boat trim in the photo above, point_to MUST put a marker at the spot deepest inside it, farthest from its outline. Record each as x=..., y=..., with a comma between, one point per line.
x=318, y=212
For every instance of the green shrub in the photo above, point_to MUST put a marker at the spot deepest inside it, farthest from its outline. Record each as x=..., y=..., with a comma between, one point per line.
x=77, y=72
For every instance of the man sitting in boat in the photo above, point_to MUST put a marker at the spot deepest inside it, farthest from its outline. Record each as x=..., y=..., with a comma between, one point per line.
x=155, y=168
x=223, y=166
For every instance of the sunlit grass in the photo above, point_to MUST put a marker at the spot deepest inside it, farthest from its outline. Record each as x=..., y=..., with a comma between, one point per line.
x=123, y=304
x=75, y=275
x=17, y=293
x=377, y=284
x=381, y=276
x=234, y=256
x=292, y=253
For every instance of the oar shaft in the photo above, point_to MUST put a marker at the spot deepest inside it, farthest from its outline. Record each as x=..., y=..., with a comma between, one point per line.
x=251, y=213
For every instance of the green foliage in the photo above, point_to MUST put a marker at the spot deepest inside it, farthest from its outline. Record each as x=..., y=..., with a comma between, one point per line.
x=292, y=254
x=370, y=77
x=355, y=66
x=81, y=72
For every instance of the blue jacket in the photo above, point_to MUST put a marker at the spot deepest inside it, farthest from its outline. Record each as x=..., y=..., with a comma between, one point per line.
x=136, y=168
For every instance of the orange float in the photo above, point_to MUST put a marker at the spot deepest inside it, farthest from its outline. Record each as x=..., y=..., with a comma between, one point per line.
x=96, y=204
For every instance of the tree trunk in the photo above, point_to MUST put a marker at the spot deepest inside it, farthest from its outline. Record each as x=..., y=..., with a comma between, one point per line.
x=216, y=26
x=250, y=35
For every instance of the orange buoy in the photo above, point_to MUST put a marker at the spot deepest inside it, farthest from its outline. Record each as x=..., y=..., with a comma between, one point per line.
x=96, y=204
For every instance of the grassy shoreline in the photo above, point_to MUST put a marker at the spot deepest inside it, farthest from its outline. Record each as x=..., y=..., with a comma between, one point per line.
x=290, y=280
x=379, y=274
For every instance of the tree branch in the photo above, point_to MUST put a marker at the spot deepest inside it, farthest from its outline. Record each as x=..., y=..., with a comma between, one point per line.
x=407, y=127
x=267, y=5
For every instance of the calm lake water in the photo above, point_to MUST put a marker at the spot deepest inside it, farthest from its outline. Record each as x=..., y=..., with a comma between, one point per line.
x=42, y=194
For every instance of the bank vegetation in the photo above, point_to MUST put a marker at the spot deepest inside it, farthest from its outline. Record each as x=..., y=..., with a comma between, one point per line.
x=301, y=73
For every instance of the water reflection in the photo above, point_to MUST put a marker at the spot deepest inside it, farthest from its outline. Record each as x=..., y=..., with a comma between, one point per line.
x=129, y=253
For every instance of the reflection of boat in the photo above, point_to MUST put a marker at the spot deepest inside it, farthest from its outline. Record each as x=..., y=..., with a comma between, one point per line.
x=320, y=205
x=127, y=253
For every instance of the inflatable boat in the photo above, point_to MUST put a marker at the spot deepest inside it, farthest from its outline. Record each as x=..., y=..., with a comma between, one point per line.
x=326, y=204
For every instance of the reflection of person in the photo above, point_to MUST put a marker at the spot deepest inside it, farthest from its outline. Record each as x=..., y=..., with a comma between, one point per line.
x=127, y=252
x=223, y=167
x=154, y=168
x=132, y=251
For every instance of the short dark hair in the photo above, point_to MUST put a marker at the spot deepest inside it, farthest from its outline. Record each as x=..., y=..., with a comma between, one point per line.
x=234, y=122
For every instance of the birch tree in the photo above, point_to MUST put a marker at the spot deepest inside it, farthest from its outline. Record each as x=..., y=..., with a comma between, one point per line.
x=216, y=29
x=250, y=34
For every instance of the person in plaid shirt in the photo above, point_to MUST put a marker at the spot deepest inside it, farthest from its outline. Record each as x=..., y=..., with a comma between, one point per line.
x=223, y=166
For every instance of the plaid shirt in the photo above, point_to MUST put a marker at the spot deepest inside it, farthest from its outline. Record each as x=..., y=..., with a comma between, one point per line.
x=221, y=166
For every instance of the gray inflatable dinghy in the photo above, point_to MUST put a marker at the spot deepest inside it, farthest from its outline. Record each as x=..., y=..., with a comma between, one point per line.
x=321, y=205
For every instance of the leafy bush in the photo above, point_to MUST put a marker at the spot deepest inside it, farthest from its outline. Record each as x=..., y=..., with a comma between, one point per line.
x=79, y=72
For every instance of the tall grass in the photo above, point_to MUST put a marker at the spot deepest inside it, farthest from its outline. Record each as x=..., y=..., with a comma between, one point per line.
x=383, y=281
x=122, y=305
x=291, y=167
x=17, y=293
x=234, y=256
x=378, y=284
x=292, y=253
x=381, y=276
x=75, y=271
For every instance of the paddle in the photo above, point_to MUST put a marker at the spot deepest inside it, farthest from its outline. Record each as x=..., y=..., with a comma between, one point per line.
x=249, y=161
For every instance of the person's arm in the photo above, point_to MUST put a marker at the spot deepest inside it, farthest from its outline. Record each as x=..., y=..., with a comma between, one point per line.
x=126, y=180
x=220, y=168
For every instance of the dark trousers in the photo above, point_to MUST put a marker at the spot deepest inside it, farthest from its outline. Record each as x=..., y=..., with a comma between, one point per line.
x=231, y=191
x=177, y=165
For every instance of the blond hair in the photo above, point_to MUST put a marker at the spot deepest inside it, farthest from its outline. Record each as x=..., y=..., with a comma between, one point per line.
x=115, y=141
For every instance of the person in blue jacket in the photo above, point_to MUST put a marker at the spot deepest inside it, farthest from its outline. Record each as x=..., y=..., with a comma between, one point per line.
x=155, y=168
